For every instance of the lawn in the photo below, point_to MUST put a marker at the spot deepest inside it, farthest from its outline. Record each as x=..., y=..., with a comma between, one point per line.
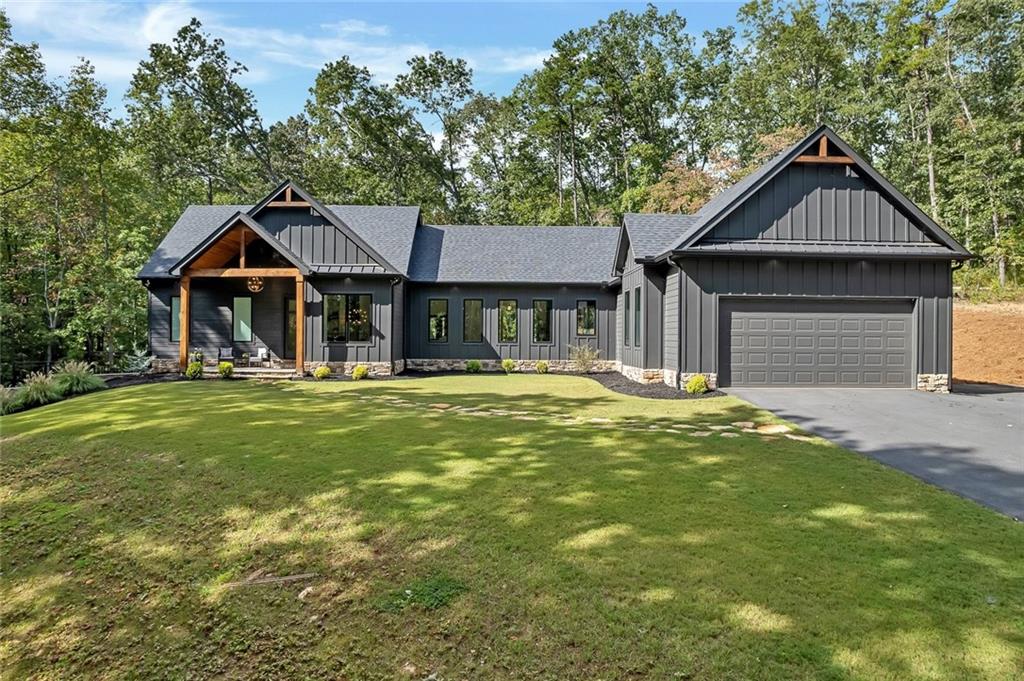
x=558, y=531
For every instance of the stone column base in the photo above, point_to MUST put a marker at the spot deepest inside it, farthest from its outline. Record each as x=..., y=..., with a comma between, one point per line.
x=678, y=379
x=642, y=375
x=163, y=366
x=933, y=383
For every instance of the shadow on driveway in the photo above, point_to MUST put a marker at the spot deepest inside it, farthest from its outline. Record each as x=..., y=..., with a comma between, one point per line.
x=970, y=442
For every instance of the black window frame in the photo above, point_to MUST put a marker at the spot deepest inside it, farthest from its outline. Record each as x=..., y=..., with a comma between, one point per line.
x=447, y=320
x=626, y=314
x=533, y=321
x=346, y=335
x=636, y=316
x=590, y=302
x=515, y=339
x=479, y=340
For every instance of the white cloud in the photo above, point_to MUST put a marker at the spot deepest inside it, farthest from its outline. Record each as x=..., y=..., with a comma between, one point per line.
x=356, y=26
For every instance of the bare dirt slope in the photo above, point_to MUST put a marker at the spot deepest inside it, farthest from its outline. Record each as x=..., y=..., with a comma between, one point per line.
x=988, y=342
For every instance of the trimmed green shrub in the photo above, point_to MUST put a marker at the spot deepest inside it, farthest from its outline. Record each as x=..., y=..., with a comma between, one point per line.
x=360, y=372
x=194, y=371
x=39, y=389
x=321, y=372
x=10, y=399
x=509, y=365
x=77, y=378
x=697, y=385
x=583, y=357
x=474, y=366
x=542, y=367
x=226, y=369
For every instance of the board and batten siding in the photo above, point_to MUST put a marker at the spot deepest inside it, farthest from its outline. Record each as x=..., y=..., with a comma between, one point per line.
x=818, y=202
x=378, y=348
x=563, y=320
x=706, y=280
x=644, y=352
x=313, y=238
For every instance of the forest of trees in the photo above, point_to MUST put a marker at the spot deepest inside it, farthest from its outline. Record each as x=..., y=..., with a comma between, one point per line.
x=630, y=114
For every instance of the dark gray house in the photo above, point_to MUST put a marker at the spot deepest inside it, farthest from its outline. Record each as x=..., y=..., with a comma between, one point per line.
x=813, y=270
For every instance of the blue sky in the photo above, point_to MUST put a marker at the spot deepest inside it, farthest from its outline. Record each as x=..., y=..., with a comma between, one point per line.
x=285, y=44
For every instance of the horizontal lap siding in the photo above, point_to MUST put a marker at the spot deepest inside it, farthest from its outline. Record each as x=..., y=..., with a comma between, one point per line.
x=704, y=280
x=378, y=349
x=670, y=335
x=160, y=343
x=563, y=320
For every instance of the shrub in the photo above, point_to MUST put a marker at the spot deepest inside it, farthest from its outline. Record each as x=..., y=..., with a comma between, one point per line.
x=474, y=366
x=194, y=371
x=697, y=385
x=360, y=372
x=39, y=389
x=321, y=372
x=77, y=378
x=542, y=367
x=10, y=399
x=583, y=357
x=136, y=361
x=226, y=369
x=509, y=365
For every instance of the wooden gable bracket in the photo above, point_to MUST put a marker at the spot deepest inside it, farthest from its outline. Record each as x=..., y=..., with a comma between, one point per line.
x=288, y=201
x=823, y=156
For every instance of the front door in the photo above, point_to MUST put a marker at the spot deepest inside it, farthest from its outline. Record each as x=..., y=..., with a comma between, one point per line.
x=289, y=329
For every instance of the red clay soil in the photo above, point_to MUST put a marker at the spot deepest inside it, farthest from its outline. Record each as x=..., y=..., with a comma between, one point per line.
x=988, y=343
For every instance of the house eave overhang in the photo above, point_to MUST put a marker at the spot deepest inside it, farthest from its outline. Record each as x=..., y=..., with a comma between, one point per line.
x=179, y=267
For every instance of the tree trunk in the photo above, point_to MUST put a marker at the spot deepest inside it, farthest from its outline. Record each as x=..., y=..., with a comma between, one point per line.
x=933, y=197
x=572, y=165
x=558, y=170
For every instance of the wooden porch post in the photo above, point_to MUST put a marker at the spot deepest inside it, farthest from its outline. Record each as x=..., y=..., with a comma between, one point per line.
x=183, y=315
x=300, y=325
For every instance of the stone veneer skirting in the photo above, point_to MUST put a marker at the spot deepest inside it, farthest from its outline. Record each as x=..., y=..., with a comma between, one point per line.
x=933, y=383
x=555, y=366
x=678, y=379
x=376, y=368
x=642, y=375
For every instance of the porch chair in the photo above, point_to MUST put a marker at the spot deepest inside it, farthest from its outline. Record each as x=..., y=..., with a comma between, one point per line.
x=259, y=358
x=225, y=355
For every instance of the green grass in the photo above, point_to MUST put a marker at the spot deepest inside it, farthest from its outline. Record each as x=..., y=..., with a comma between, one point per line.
x=542, y=544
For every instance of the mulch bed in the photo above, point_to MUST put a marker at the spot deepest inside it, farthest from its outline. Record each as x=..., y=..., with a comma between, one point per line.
x=656, y=391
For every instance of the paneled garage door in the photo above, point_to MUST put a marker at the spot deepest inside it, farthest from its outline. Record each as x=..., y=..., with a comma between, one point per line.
x=797, y=343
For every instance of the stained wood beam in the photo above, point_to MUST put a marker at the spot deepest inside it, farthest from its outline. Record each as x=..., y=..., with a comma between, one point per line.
x=288, y=204
x=300, y=325
x=241, y=254
x=183, y=314
x=846, y=160
x=246, y=272
x=823, y=146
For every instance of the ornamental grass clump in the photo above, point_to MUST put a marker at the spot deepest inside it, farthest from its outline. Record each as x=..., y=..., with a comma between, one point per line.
x=76, y=378
x=38, y=389
x=542, y=367
x=583, y=357
x=10, y=399
x=474, y=366
x=509, y=365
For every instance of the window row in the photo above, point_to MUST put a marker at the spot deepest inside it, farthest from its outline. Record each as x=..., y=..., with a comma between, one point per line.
x=508, y=320
x=631, y=309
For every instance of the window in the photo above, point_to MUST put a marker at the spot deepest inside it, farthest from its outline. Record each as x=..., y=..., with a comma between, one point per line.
x=625, y=319
x=242, y=315
x=636, y=315
x=175, y=318
x=586, y=317
x=437, y=325
x=472, y=321
x=542, y=321
x=508, y=322
x=347, y=317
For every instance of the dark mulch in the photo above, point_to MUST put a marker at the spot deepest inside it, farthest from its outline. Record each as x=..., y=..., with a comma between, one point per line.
x=125, y=380
x=656, y=391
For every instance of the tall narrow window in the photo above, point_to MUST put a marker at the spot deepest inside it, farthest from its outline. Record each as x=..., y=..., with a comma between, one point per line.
x=347, y=318
x=626, y=322
x=472, y=320
x=586, y=317
x=636, y=315
x=542, y=321
x=175, y=318
x=242, y=314
x=437, y=324
x=508, y=321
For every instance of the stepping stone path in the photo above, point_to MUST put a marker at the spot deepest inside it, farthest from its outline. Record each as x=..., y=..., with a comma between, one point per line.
x=772, y=429
x=701, y=433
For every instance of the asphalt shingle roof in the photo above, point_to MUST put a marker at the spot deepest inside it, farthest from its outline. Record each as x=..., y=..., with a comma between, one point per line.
x=651, y=234
x=562, y=255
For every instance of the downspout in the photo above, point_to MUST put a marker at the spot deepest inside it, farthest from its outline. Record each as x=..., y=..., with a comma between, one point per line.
x=394, y=282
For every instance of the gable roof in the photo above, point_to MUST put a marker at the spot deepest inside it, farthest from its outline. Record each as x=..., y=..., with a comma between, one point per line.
x=651, y=234
x=226, y=227
x=726, y=201
x=512, y=254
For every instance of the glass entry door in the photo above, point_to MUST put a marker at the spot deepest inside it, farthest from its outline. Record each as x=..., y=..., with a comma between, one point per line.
x=289, y=329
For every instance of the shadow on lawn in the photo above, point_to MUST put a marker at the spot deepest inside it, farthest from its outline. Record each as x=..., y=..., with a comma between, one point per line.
x=588, y=551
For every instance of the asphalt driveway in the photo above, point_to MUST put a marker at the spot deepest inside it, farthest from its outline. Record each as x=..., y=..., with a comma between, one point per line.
x=970, y=442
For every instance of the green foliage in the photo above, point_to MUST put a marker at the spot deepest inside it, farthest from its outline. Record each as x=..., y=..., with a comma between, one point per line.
x=697, y=385
x=542, y=367
x=9, y=399
x=473, y=366
x=584, y=357
x=429, y=593
x=76, y=378
x=360, y=372
x=194, y=371
x=136, y=361
x=322, y=372
x=37, y=389
x=508, y=365
x=196, y=355
x=225, y=369
x=981, y=285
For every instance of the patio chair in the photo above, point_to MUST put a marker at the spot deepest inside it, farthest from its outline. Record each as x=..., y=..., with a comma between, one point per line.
x=259, y=358
x=225, y=355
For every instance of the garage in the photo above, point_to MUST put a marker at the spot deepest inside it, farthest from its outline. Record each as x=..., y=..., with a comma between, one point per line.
x=786, y=342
